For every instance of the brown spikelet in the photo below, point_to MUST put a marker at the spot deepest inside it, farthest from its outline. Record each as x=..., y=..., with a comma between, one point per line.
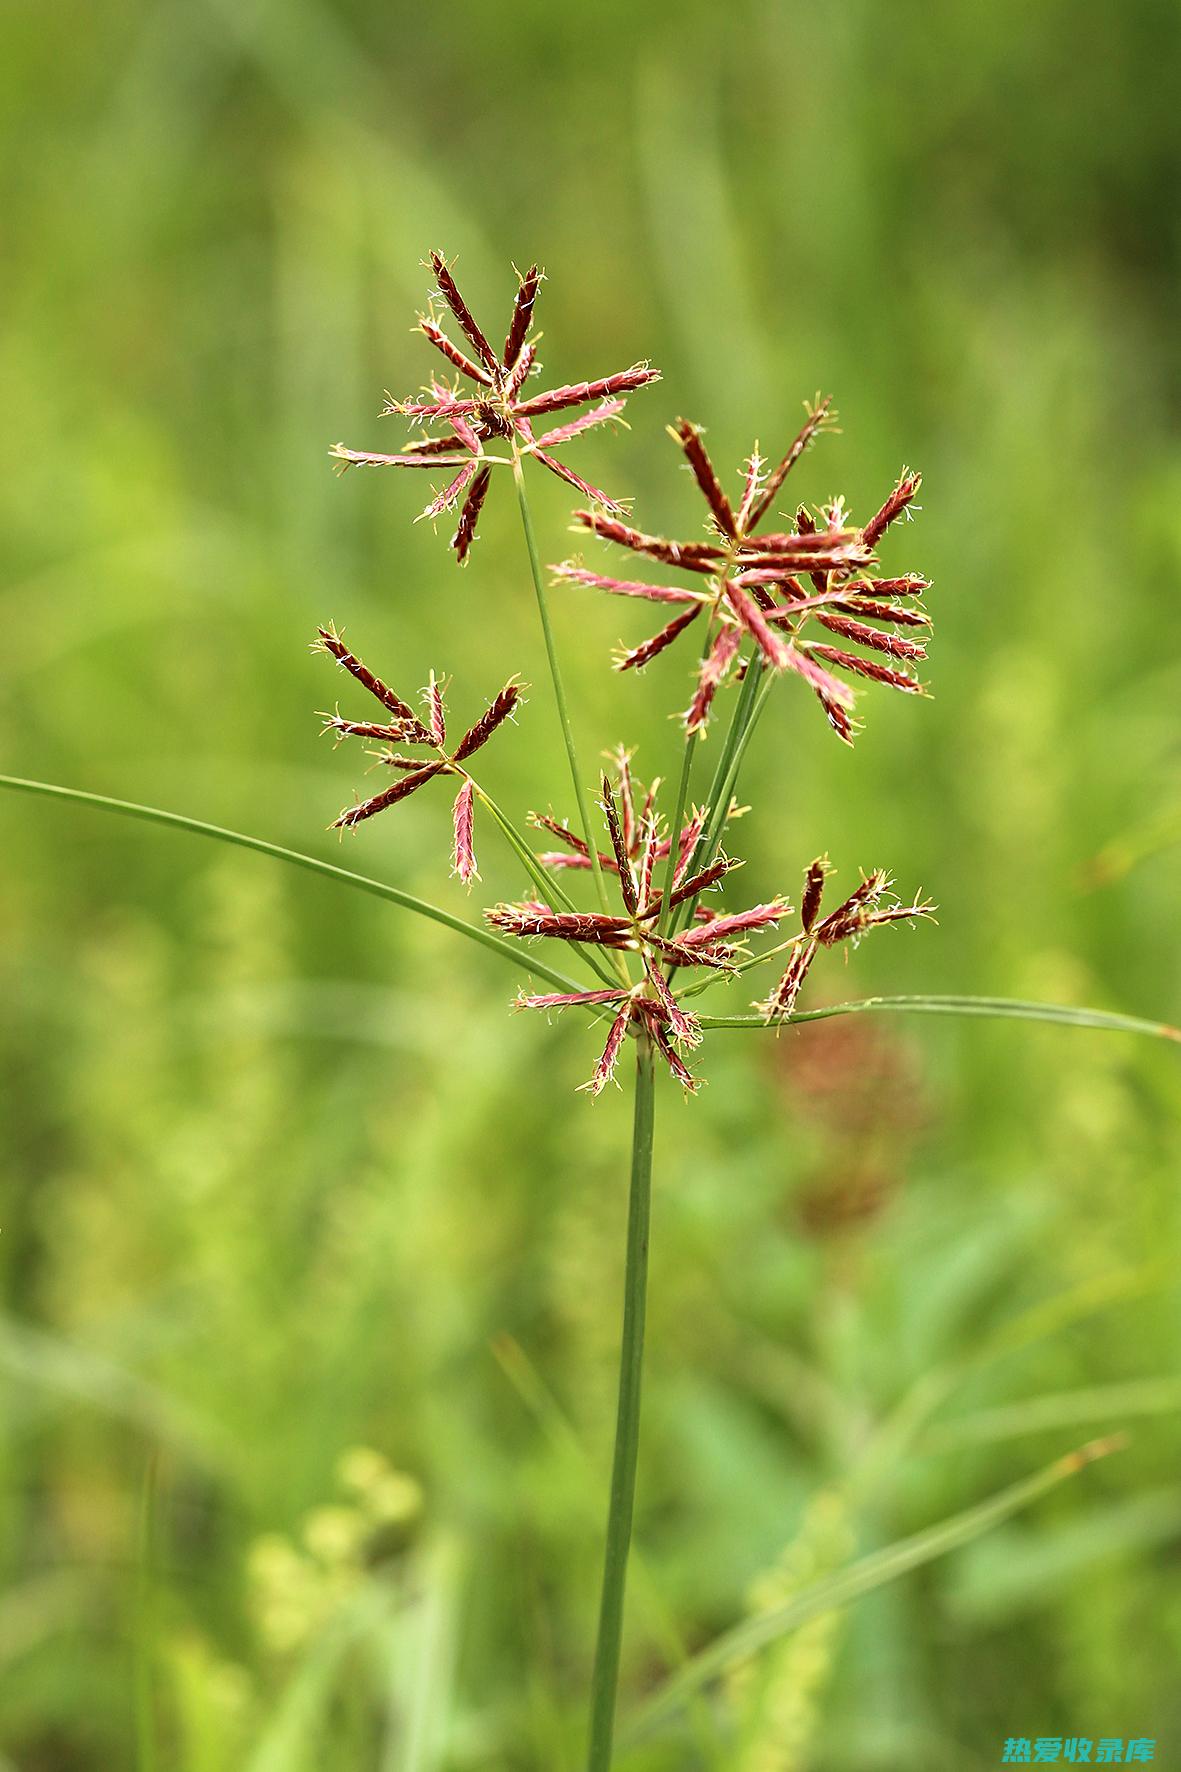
x=868, y=667
x=641, y=655
x=893, y=508
x=522, y=315
x=469, y=516
x=782, y=1000
x=819, y=417
x=813, y=891
x=689, y=437
x=453, y=354
x=411, y=726
x=605, y=1069
x=401, y=790
x=463, y=857
x=455, y=301
x=495, y=715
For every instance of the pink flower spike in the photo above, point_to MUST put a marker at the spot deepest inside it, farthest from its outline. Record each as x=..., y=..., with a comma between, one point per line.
x=893, y=508
x=625, y=587
x=578, y=393
x=643, y=654
x=753, y=620
x=605, y=1069
x=362, y=458
x=572, y=479
x=689, y=437
x=715, y=666
x=453, y=354
x=451, y=494
x=676, y=1064
x=684, y=1027
x=569, y=1000
x=599, y=415
x=437, y=719
x=459, y=308
x=469, y=516
x=757, y=917
x=463, y=860
x=522, y=315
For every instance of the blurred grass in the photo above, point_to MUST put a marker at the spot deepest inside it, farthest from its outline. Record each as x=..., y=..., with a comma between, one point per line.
x=282, y=1173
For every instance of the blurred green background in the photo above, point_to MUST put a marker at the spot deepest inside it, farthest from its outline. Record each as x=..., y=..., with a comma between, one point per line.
x=311, y=1253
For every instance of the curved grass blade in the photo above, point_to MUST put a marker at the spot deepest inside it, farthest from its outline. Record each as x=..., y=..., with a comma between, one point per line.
x=362, y=882
x=859, y=1578
x=997, y=1008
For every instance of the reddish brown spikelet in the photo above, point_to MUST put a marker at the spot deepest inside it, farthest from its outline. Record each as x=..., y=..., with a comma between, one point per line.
x=529, y=919
x=714, y=668
x=453, y=354
x=898, y=613
x=696, y=556
x=689, y=437
x=782, y=1000
x=702, y=881
x=626, y=587
x=687, y=846
x=455, y=301
x=495, y=715
x=838, y=717
x=469, y=516
x=568, y=1000
x=672, y=1058
x=586, y=421
x=868, y=667
x=451, y=493
x=649, y=649
x=436, y=717
x=735, y=923
x=520, y=372
x=559, y=468
x=813, y=891
x=895, y=645
x=893, y=508
x=411, y=726
x=627, y=882
x=421, y=458
x=605, y=1069
x=463, y=857
x=626, y=381
x=684, y=1027
x=818, y=417
x=522, y=315
x=755, y=623
x=401, y=790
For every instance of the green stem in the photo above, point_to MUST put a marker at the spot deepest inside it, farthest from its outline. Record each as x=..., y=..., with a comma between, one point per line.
x=550, y=888
x=605, y=1679
x=559, y=691
x=177, y=821
x=994, y=1008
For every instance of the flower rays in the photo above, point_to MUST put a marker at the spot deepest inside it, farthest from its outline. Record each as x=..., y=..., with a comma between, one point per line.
x=494, y=407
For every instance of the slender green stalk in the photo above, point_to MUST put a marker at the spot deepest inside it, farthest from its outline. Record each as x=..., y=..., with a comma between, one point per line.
x=999, y=1008
x=177, y=821
x=559, y=691
x=605, y=1679
x=746, y=709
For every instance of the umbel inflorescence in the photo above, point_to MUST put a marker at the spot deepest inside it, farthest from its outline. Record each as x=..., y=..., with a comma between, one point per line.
x=799, y=595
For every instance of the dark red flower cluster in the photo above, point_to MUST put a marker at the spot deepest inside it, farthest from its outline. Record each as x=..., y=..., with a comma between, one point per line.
x=868, y=905
x=495, y=407
x=712, y=939
x=754, y=585
x=402, y=726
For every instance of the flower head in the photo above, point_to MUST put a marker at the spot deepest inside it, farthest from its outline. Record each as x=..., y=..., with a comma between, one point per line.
x=402, y=726
x=494, y=407
x=754, y=585
x=871, y=903
x=646, y=929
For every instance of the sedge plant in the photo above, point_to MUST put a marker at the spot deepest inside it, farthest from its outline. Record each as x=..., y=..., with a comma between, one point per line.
x=632, y=900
